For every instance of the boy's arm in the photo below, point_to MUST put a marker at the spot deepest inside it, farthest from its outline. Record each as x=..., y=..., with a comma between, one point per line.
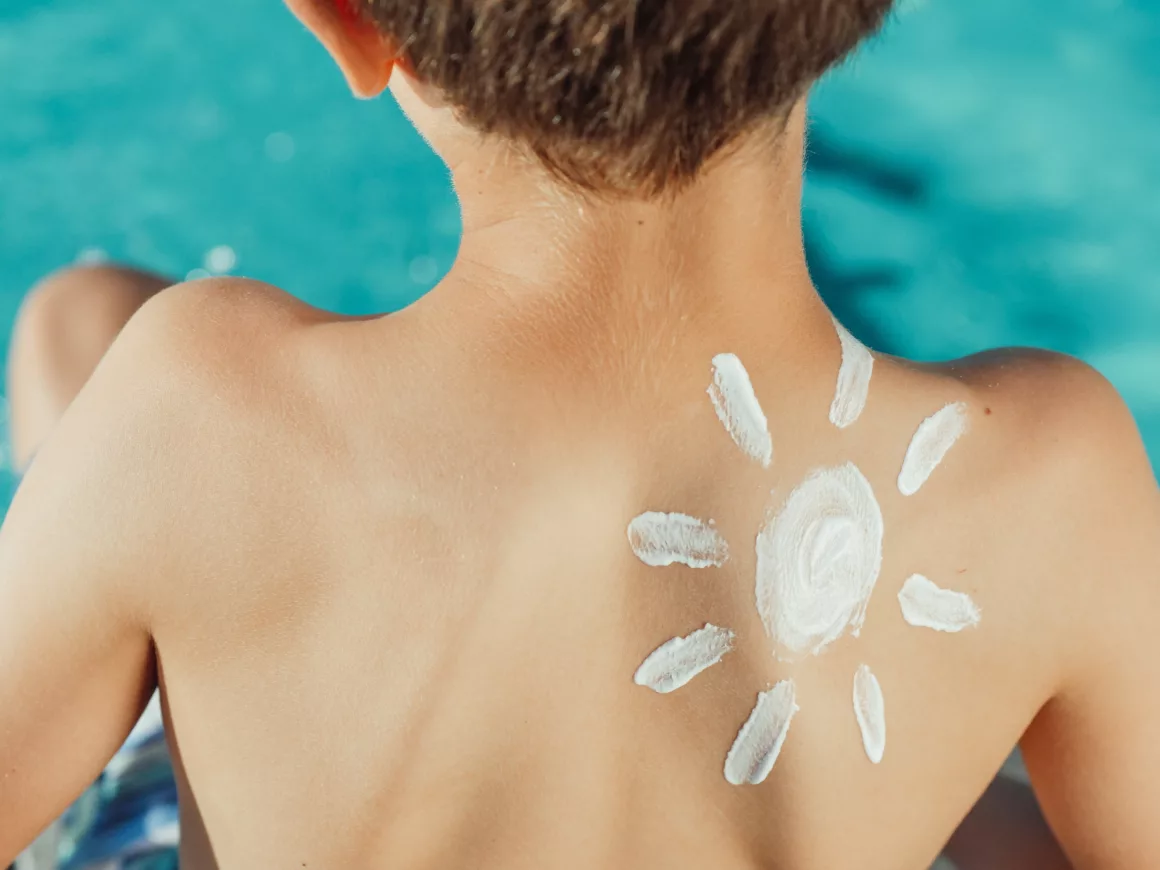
x=1094, y=750
x=84, y=536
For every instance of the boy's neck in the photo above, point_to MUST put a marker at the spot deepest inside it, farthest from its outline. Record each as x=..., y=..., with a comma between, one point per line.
x=727, y=250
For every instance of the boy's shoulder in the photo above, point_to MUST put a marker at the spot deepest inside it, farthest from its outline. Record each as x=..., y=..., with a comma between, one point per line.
x=211, y=315
x=1056, y=416
x=237, y=350
x=216, y=434
x=1063, y=483
x=1041, y=425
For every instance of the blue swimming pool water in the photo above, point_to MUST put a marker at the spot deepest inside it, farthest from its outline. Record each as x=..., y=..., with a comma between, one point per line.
x=985, y=173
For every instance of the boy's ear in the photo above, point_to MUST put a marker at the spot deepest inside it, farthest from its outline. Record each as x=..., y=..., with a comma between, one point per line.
x=365, y=56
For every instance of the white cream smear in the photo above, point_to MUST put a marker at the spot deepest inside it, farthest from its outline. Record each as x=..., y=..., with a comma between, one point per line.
x=676, y=662
x=853, y=380
x=870, y=710
x=661, y=539
x=760, y=739
x=936, y=435
x=926, y=605
x=738, y=409
x=819, y=559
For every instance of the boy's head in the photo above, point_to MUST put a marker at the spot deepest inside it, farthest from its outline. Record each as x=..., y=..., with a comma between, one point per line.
x=619, y=96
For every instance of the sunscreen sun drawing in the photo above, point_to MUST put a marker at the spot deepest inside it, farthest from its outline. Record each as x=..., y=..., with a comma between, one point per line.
x=818, y=561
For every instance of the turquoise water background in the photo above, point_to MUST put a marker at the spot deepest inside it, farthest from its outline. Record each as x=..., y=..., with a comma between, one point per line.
x=985, y=173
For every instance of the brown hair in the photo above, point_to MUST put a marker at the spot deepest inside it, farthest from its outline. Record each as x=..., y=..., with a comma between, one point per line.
x=624, y=96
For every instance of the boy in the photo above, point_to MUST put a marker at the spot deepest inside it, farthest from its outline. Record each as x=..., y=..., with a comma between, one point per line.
x=614, y=550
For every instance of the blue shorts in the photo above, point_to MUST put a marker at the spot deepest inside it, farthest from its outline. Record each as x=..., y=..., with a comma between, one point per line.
x=128, y=819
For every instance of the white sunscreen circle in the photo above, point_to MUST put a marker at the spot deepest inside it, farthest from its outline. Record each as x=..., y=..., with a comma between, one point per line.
x=936, y=435
x=676, y=662
x=925, y=605
x=870, y=711
x=738, y=409
x=760, y=739
x=853, y=380
x=660, y=540
x=819, y=559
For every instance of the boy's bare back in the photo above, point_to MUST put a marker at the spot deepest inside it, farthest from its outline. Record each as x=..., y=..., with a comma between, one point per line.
x=396, y=615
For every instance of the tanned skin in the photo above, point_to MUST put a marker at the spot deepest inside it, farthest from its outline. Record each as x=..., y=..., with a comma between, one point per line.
x=378, y=566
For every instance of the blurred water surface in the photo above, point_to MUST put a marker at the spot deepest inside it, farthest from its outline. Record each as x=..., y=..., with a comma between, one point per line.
x=984, y=174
